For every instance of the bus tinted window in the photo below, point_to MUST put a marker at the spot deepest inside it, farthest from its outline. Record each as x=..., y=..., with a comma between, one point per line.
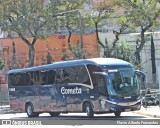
x=32, y=78
x=92, y=69
x=68, y=75
x=51, y=76
x=59, y=76
x=101, y=85
x=83, y=76
x=45, y=77
x=77, y=74
x=11, y=80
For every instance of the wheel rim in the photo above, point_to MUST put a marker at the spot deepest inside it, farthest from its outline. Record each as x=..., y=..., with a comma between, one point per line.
x=29, y=110
x=88, y=110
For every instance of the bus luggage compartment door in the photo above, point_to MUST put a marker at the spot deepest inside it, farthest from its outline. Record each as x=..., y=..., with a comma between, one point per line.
x=45, y=98
x=60, y=100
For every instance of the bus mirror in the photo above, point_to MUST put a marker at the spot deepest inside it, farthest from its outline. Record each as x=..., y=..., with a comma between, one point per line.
x=140, y=75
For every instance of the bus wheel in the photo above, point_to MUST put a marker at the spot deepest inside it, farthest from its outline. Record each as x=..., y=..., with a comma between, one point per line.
x=117, y=114
x=54, y=114
x=29, y=110
x=89, y=110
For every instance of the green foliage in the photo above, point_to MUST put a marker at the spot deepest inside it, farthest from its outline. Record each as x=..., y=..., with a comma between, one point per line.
x=124, y=51
x=75, y=52
x=26, y=18
x=72, y=52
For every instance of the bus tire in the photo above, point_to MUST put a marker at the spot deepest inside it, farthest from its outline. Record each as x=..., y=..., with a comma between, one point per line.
x=117, y=114
x=89, y=110
x=30, y=112
x=54, y=114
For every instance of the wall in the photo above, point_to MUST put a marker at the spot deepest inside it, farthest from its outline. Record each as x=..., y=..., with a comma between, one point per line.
x=54, y=44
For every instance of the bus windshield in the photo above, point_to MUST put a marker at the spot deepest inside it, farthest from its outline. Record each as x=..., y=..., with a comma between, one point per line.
x=122, y=82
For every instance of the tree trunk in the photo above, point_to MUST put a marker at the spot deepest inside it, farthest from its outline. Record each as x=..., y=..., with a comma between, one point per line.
x=31, y=55
x=96, y=26
x=138, y=49
x=69, y=40
x=98, y=40
x=116, y=39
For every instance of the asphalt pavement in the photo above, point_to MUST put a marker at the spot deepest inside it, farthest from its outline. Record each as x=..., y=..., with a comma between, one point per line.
x=150, y=111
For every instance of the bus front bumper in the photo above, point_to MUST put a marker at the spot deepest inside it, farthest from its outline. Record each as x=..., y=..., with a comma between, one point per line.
x=119, y=108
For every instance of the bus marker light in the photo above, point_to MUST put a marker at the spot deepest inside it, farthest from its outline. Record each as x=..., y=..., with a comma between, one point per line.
x=91, y=96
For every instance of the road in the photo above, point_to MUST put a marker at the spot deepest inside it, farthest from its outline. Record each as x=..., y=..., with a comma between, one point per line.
x=75, y=116
x=75, y=119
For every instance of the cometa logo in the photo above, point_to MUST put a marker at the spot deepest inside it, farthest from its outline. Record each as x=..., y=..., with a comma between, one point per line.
x=75, y=90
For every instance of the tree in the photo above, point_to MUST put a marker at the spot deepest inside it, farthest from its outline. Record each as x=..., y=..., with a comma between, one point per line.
x=100, y=10
x=26, y=18
x=143, y=14
x=124, y=51
x=14, y=61
x=103, y=10
x=70, y=21
x=67, y=17
x=123, y=25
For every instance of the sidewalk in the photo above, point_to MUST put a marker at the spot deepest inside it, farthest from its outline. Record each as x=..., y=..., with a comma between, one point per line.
x=5, y=109
x=151, y=111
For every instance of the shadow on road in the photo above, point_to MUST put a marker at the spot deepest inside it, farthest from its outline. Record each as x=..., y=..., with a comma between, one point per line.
x=62, y=117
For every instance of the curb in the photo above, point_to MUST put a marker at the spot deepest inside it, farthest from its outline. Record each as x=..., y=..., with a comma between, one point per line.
x=146, y=114
x=6, y=111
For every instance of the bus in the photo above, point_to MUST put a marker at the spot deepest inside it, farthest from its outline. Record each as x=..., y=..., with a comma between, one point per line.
x=91, y=86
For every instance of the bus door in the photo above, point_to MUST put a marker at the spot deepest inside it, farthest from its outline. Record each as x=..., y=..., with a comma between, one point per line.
x=102, y=92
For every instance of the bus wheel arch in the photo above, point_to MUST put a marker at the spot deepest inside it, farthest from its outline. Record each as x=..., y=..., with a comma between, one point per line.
x=88, y=108
x=29, y=108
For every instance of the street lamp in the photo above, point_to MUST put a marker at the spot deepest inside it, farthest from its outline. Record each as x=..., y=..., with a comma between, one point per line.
x=80, y=24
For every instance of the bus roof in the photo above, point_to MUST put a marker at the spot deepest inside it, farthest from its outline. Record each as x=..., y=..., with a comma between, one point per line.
x=95, y=61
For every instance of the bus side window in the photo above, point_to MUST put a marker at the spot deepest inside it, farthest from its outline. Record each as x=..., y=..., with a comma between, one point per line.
x=101, y=85
x=58, y=76
x=83, y=76
x=18, y=79
x=92, y=69
x=11, y=80
x=30, y=82
x=51, y=76
x=67, y=75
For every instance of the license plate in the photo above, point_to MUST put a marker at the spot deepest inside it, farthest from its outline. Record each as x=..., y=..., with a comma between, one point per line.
x=127, y=110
